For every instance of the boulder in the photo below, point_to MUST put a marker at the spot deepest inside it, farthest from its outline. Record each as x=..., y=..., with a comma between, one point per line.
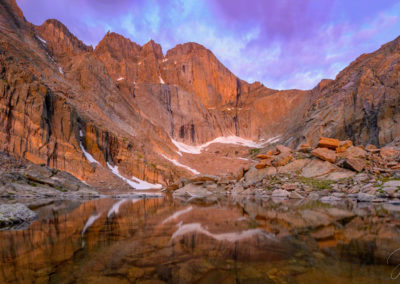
x=264, y=163
x=329, y=143
x=295, y=195
x=343, y=145
x=392, y=183
x=280, y=193
x=192, y=190
x=254, y=175
x=364, y=197
x=317, y=168
x=389, y=153
x=355, y=164
x=353, y=152
x=305, y=148
x=294, y=166
x=371, y=148
x=262, y=156
x=203, y=178
x=325, y=154
x=282, y=159
x=283, y=149
x=11, y=214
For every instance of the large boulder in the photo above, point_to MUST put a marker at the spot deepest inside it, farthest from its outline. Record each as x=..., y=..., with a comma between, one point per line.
x=329, y=143
x=11, y=214
x=355, y=164
x=317, y=168
x=325, y=154
x=192, y=190
x=282, y=159
x=254, y=175
x=294, y=166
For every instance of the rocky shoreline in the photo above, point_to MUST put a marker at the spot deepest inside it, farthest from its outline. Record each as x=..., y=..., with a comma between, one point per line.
x=330, y=172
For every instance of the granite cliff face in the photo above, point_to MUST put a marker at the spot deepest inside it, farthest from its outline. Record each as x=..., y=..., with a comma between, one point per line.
x=119, y=111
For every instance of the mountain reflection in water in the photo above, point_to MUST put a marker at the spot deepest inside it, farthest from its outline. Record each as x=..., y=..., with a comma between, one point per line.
x=162, y=240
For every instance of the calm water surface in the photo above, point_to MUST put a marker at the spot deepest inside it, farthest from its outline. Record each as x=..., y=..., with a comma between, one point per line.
x=164, y=240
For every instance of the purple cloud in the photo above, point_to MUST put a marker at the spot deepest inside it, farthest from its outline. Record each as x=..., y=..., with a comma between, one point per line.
x=282, y=43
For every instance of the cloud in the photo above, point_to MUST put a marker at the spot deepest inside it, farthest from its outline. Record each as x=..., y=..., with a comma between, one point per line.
x=282, y=43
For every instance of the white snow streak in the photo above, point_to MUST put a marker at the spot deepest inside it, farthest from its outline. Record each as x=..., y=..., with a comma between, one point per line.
x=230, y=237
x=161, y=80
x=177, y=214
x=90, y=222
x=115, y=208
x=120, y=78
x=175, y=162
x=42, y=40
x=88, y=156
x=224, y=140
x=60, y=70
x=134, y=182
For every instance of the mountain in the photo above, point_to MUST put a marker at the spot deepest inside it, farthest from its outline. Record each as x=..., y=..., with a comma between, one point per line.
x=123, y=114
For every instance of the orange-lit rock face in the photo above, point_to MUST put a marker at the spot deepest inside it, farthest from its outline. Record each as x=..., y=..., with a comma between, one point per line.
x=130, y=100
x=161, y=239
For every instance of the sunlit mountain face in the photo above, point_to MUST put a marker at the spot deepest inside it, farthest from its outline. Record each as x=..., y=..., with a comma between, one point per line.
x=282, y=44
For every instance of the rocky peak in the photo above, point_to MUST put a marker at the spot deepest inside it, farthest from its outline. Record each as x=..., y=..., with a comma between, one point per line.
x=152, y=48
x=60, y=40
x=11, y=15
x=187, y=48
x=118, y=46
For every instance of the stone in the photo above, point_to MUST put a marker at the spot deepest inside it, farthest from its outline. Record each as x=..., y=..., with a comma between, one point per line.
x=339, y=214
x=315, y=218
x=313, y=196
x=295, y=195
x=389, y=153
x=364, y=197
x=283, y=149
x=325, y=154
x=280, y=193
x=192, y=190
x=282, y=159
x=294, y=166
x=392, y=183
x=305, y=148
x=237, y=189
x=289, y=186
x=203, y=178
x=343, y=145
x=263, y=163
x=11, y=214
x=355, y=164
x=318, y=168
x=262, y=156
x=339, y=174
x=329, y=143
x=330, y=199
x=323, y=233
x=254, y=175
x=353, y=152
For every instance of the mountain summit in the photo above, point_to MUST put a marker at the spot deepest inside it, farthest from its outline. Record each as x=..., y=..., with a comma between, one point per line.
x=125, y=112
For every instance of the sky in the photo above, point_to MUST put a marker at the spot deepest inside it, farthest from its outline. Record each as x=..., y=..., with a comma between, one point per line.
x=284, y=44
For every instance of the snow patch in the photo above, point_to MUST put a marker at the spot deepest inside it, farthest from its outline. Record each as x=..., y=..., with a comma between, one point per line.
x=42, y=40
x=182, y=147
x=230, y=237
x=88, y=156
x=134, y=182
x=165, y=60
x=115, y=208
x=120, y=78
x=60, y=70
x=177, y=214
x=90, y=222
x=161, y=80
x=175, y=162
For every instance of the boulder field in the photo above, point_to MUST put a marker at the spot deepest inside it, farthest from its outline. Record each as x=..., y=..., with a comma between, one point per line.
x=333, y=170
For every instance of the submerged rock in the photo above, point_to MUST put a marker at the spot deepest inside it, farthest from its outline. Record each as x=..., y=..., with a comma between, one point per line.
x=11, y=214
